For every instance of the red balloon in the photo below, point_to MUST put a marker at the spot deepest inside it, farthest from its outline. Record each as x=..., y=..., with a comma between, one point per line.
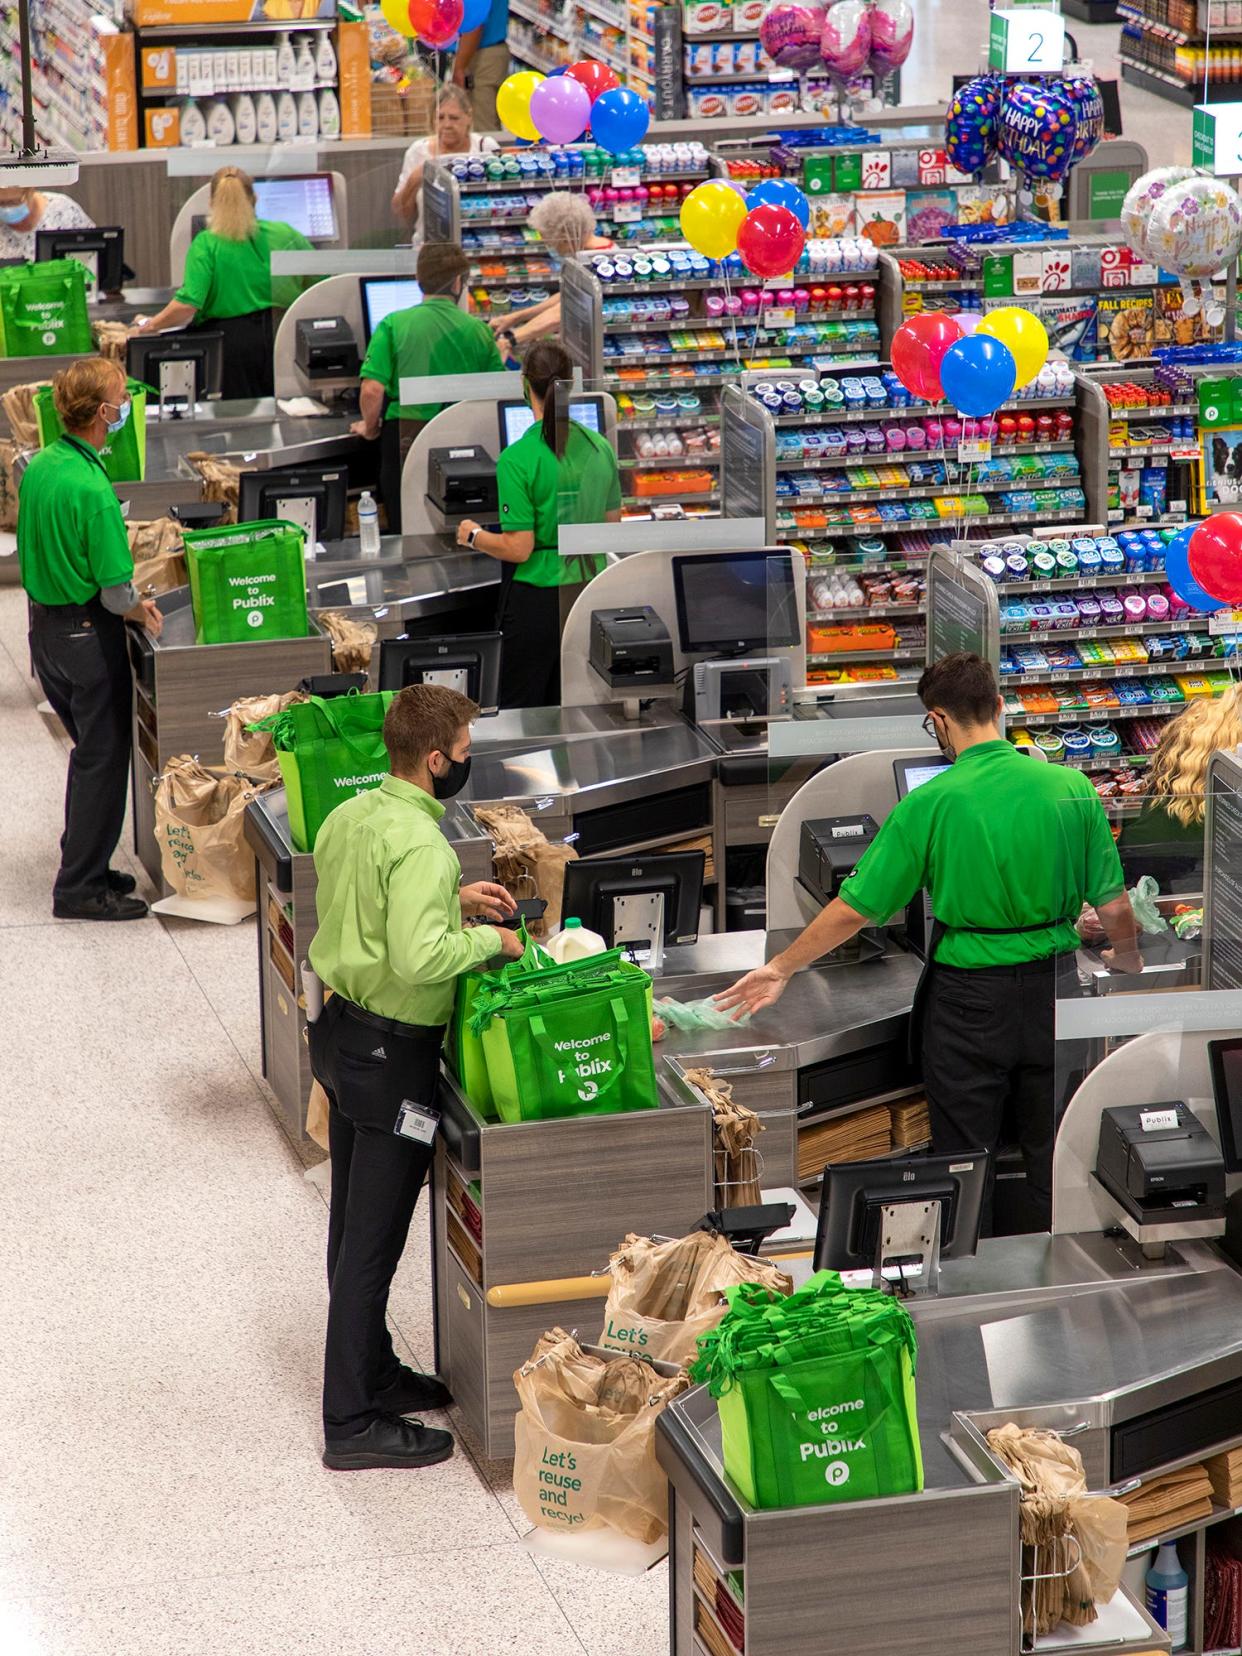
x=1215, y=556
x=770, y=240
x=435, y=22
x=919, y=346
x=596, y=77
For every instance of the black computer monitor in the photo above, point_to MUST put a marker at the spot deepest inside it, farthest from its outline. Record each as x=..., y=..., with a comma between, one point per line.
x=516, y=418
x=853, y=1195
x=1226, y=1061
x=381, y=295
x=314, y=496
x=469, y=662
x=101, y=248
x=185, y=366
x=735, y=603
x=910, y=774
x=304, y=201
x=612, y=895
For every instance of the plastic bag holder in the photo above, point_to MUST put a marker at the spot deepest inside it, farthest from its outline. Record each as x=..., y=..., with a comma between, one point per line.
x=746, y=1229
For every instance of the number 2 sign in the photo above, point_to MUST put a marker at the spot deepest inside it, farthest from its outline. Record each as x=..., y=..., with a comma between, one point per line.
x=1026, y=41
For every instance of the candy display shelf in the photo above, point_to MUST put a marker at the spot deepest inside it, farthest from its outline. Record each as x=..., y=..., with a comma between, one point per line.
x=1145, y=447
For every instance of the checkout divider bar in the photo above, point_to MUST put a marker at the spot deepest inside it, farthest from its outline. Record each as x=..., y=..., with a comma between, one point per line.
x=505, y=385
x=288, y=157
x=1100, y=1017
x=798, y=738
x=345, y=261
x=619, y=540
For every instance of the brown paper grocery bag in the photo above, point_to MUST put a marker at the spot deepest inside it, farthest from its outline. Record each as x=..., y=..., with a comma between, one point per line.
x=317, y=1115
x=526, y=862
x=665, y=1294
x=352, y=641
x=585, y=1441
x=19, y=409
x=198, y=827
x=251, y=751
x=8, y=484
x=159, y=561
x=221, y=481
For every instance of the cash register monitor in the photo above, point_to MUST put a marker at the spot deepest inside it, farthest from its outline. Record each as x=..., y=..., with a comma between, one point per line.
x=910, y=774
x=735, y=603
x=516, y=418
x=853, y=1196
x=469, y=662
x=186, y=365
x=1226, y=1061
x=101, y=248
x=303, y=201
x=313, y=496
x=381, y=295
x=620, y=898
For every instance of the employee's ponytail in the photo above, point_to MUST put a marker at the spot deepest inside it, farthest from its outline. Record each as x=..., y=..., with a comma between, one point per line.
x=232, y=205
x=545, y=363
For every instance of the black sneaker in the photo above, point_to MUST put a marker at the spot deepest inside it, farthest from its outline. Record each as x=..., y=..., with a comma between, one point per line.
x=122, y=884
x=411, y=1393
x=105, y=905
x=388, y=1441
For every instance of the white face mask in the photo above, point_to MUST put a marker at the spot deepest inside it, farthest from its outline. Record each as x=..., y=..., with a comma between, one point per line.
x=122, y=414
x=15, y=214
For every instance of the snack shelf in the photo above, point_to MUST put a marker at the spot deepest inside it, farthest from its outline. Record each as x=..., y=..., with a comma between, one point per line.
x=1065, y=583
x=914, y=491
x=1124, y=629
x=907, y=525
x=860, y=611
x=723, y=324
x=666, y=422
x=1106, y=670
x=1105, y=761
x=707, y=498
x=827, y=657
x=950, y=284
x=515, y=186
x=669, y=462
x=729, y=354
x=914, y=411
x=1097, y=715
x=903, y=457
x=1159, y=412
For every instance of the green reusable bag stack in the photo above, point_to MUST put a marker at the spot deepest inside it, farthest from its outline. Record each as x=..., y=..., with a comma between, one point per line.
x=567, y=1040
x=43, y=310
x=816, y=1393
x=465, y=1045
x=247, y=582
x=328, y=751
x=124, y=455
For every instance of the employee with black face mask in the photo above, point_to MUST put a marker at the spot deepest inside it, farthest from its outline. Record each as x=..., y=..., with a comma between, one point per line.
x=391, y=946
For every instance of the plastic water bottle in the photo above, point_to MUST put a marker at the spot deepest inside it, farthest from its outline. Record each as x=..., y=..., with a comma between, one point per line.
x=575, y=941
x=1168, y=1595
x=368, y=526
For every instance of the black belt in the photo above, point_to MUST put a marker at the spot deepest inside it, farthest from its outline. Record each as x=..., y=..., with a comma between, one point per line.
x=390, y=1026
x=92, y=606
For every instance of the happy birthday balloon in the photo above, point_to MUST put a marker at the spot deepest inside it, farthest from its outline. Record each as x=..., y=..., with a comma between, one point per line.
x=846, y=41
x=972, y=124
x=1038, y=128
x=790, y=35
x=1088, y=111
x=1196, y=227
x=1141, y=198
x=892, y=34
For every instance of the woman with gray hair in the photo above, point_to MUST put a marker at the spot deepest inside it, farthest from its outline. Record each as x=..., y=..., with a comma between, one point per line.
x=566, y=223
x=453, y=136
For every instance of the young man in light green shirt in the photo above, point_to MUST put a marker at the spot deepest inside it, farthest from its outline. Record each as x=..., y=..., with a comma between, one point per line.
x=391, y=946
x=1008, y=850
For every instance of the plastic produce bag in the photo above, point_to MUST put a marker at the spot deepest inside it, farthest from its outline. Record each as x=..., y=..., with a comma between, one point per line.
x=699, y=1014
x=1143, y=901
x=585, y=1441
x=665, y=1294
x=247, y=582
x=815, y=1393
x=328, y=751
x=124, y=455
x=198, y=827
x=43, y=309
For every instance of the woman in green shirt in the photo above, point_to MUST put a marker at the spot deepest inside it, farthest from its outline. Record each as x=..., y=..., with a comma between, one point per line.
x=557, y=472
x=229, y=286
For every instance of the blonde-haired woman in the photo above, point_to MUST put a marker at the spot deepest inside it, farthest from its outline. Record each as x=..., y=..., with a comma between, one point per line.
x=229, y=285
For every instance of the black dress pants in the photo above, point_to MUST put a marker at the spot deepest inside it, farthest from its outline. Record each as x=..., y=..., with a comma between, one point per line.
x=395, y=439
x=79, y=653
x=248, y=343
x=367, y=1071
x=990, y=1064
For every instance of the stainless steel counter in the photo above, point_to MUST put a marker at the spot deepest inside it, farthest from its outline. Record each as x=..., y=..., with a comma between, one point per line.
x=403, y=586
x=252, y=434
x=580, y=775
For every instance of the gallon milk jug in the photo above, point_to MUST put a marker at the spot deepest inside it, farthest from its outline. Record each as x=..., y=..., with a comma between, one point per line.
x=575, y=942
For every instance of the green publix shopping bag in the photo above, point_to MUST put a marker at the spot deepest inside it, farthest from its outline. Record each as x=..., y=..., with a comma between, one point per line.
x=328, y=751
x=43, y=309
x=465, y=1045
x=569, y=1040
x=124, y=455
x=247, y=581
x=815, y=1393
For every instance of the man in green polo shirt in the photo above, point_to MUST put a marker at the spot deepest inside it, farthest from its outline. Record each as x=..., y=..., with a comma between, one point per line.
x=78, y=573
x=433, y=337
x=390, y=944
x=1009, y=850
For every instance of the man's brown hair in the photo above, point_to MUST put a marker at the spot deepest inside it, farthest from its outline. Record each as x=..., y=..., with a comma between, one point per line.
x=423, y=719
x=961, y=685
x=439, y=266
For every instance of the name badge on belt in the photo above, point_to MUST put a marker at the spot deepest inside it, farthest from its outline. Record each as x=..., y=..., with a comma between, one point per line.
x=416, y=1121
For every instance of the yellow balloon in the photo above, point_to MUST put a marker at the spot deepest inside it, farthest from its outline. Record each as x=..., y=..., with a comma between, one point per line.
x=397, y=16
x=711, y=216
x=1024, y=334
x=513, y=104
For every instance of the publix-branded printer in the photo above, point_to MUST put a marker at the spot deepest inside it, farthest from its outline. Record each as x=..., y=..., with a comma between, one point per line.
x=1160, y=1163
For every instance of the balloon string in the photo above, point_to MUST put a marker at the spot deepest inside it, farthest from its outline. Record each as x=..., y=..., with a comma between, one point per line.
x=731, y=314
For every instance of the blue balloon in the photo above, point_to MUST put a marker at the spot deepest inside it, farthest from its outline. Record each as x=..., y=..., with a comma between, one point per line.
x=619, y=119
x=1177, y=568
x=978, y=374
x=779, y=192
x=474, y=15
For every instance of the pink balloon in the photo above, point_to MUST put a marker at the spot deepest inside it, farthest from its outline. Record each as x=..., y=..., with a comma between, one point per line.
x=892, y=34
x=846, y=40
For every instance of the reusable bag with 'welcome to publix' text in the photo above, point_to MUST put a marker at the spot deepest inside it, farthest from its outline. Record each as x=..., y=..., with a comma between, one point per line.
x=43, y=309
x=464, y=1047
x=328, y=751
x=247, y=581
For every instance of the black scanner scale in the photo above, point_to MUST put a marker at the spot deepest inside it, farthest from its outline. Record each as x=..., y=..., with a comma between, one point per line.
x=1160, y=1164
x=829, y=849
x=462, y=481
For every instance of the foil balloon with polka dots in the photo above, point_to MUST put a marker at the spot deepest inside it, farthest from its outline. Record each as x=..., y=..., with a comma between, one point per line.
x=1038, y=129
x=1195, y=229
x=892, y=35
x=791, y=35
x=1088, y=103
x=972, y=124
x=845, y=43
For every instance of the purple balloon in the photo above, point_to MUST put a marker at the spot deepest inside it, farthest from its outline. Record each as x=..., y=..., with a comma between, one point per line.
x=968, y=321
x=560, y=108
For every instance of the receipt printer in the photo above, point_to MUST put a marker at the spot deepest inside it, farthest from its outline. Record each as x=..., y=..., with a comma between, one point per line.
x=1160, y=1163
x=462, y=482
x=325, y=348
x=631, y=647
x=828, y=851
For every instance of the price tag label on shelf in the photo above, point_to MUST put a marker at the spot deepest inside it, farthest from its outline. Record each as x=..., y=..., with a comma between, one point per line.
x=1116, y=514
x=1185, y=452
x=780, y=316
x=1216, y=138
x=1026, y=40
x=627, y=212
x=1224, y=623
x=977, y=448
x=625, y=178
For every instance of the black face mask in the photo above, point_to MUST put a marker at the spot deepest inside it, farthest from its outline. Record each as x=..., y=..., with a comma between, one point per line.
x=454, y=779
